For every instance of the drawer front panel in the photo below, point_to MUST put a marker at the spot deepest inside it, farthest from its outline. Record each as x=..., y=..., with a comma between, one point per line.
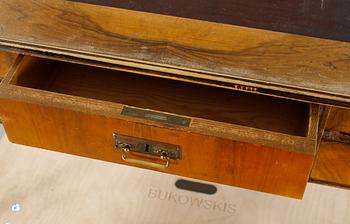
x=203, y=157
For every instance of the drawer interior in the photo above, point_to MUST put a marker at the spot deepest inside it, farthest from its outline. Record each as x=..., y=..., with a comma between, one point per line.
x=182, y=98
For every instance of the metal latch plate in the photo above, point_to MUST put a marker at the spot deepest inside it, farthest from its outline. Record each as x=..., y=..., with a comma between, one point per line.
x=149, y=147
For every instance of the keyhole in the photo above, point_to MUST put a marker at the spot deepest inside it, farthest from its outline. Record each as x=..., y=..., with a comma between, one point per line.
x=146, y=147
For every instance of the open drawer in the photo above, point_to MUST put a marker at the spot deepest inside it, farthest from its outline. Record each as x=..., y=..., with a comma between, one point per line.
x=226, y=136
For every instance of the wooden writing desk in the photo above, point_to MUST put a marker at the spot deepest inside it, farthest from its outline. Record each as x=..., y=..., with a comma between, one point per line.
x=210, y=98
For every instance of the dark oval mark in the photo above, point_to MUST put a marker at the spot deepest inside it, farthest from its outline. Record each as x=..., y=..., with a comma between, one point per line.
x=195, y=186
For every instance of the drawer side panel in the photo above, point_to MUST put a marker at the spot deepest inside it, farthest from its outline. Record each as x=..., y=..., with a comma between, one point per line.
x=6, y=61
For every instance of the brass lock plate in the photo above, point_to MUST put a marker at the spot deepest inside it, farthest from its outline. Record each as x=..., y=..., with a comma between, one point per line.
x=148, y=147
x=156, y=116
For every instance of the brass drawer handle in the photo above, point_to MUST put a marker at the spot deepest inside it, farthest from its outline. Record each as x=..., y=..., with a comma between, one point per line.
x=125, y=150
x=148, y=148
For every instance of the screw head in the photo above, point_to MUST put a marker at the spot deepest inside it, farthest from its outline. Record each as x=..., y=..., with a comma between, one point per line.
x=16, y=207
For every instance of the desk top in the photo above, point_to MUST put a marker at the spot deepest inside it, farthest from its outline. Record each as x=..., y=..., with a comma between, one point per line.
x=267, y=62
x=319, y=18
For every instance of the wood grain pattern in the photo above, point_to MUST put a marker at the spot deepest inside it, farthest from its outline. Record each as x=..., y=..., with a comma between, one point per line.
x=84, y=127
x=6, y=61
x=58, y=188
x=323, y=119
x=332, y=164
x=36, y=72
x=339, y=120
x=281, y=63
x=229, y=162
x=311, y=17
x=191, y=100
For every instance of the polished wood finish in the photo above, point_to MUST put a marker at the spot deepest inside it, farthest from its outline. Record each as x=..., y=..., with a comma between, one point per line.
x=94, y=96
x=332, y=165
x=191, y=100
x=6, y=61
x=57, y=188
x=326, y=19
x=339, y=120
x=54, y=107
x=286, y=65
x=204, y=157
